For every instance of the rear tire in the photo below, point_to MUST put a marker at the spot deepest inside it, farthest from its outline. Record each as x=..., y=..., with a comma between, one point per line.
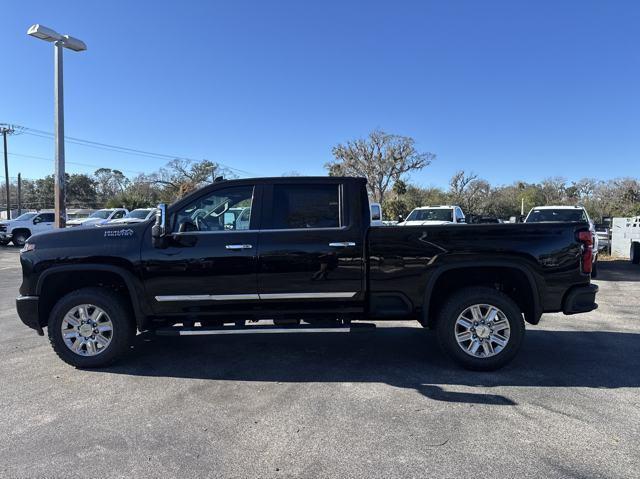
x=635, y=253
x=480, y=328
x=91, y=328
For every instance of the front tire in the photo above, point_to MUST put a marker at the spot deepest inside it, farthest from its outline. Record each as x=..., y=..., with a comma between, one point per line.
x=91, y=328
x=480, y=328
x=20, y=238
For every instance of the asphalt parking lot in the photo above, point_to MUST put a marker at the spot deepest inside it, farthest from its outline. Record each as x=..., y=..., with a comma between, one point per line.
x=375, y=404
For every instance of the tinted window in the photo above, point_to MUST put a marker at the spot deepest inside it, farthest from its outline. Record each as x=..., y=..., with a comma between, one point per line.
x=538, y=216
x=305, y=206
x=218, y=211
x=47, y=217
x=435, y=214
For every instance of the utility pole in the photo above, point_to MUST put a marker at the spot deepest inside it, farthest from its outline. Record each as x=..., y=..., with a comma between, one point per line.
x=6, y=130
x=19, y=194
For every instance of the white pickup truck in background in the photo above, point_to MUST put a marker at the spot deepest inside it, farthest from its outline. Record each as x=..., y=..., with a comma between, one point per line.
x=434, y=215
x=21, y=228
x=99, y=217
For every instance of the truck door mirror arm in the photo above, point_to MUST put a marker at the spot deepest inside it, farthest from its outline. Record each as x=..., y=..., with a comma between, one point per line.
x=159, y=229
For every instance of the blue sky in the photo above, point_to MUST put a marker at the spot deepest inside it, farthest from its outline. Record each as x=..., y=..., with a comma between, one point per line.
x=507, y=89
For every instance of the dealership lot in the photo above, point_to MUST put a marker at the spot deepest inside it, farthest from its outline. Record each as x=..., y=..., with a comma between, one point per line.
x=373, y=404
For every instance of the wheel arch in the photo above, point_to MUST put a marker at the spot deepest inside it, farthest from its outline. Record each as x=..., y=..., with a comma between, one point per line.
x=21, y=229
x=88, y=275
x=524, y=289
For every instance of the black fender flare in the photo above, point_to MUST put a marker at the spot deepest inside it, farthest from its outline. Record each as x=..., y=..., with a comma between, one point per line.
x=433, y=278
x=133, y=284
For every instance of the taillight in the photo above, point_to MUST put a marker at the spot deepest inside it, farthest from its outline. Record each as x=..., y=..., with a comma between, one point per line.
x=586, y=238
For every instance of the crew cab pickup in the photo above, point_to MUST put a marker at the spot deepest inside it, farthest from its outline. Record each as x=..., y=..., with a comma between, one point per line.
x=307, y=262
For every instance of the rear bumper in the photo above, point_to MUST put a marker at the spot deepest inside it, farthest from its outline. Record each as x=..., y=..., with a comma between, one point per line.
x=27, y=307
x=580, y=299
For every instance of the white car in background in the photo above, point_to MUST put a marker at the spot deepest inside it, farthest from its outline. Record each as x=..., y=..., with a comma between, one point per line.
x=434, y=215
x=550, y=214
x=20, y=229
x=99, y=217
x=136, y=216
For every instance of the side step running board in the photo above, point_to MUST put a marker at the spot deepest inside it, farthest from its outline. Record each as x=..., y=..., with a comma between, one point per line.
x=264, y=329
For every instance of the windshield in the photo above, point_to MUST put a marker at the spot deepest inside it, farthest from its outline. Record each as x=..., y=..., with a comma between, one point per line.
x=432, y=214
x=140, y=214
x=102, y=214
x=539, y=216
x=26, y=216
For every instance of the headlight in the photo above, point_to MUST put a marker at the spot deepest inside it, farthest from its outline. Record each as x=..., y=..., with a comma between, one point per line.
x=27, y=247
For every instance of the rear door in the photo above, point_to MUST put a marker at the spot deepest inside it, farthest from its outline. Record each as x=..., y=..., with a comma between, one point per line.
x=311, y=246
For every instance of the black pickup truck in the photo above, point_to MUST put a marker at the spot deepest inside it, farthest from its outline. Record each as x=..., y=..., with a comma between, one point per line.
x=298, y=255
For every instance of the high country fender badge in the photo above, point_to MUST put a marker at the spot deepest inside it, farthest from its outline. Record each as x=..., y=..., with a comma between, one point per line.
x=118, y=233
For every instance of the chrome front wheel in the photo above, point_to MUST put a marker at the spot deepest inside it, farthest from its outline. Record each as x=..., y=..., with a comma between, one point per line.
x=482, y=330
x=87, y=330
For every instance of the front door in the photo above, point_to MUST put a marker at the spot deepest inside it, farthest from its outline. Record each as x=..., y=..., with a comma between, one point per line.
x=210, y=263
x=42, y=222
x=311, y=248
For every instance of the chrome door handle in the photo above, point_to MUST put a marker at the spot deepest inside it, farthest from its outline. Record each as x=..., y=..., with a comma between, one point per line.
x=342, y=244
x=236, y=247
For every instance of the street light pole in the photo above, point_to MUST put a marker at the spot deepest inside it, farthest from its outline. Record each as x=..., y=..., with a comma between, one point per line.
x=59, y=178
x=6, y=172
x=60, y=42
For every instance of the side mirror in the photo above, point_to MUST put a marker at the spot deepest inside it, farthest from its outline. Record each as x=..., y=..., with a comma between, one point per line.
x=159, y=229
x=400, y=218
x=462, y=220
x=36, y=220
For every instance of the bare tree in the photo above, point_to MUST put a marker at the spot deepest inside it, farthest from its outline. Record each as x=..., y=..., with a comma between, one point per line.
x=382, y=159
x=469, y=192
x=180, y=176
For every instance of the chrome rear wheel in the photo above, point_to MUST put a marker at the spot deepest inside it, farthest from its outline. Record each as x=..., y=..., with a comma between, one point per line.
x=482, y=330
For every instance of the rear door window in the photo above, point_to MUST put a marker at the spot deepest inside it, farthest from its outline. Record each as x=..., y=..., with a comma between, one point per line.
x=303, y=206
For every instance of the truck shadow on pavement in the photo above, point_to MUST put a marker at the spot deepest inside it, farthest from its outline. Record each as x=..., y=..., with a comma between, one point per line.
x=618, y=270
x=403, y=357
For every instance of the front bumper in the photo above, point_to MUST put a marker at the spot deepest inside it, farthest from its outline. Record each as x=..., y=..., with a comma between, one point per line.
x=580, y=299
x=27, y=307
x=5, y=236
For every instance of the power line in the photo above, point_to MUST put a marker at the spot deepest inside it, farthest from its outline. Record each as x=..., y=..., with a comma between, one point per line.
x=70, y=162
x=121, y=149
